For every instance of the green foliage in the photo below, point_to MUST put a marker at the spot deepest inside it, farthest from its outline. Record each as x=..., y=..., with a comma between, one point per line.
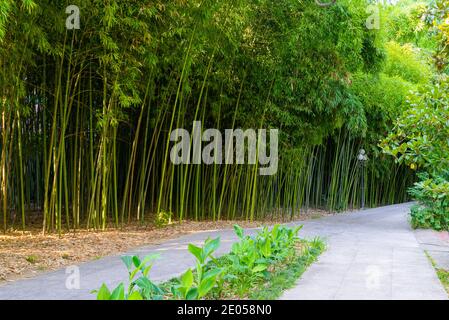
x=433, y=208
x=408, y=62
x=309, y=97
x=32, y=259
x=443, y=275
x=383, y=98
x=432, y=216
x=193, y=287
x=420, y=135
x=405, y=23
x=140, y=286
x=286, y=278
x=436, y=18
x=267, y=257
x=420, y=139
x=251, y=258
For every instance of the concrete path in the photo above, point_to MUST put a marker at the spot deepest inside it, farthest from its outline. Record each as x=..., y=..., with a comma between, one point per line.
x=436, y=244
x=371, y=254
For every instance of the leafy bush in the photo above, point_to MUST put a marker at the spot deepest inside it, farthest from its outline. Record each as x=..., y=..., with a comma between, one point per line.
x=420, y=137
x=141, y=288
x=191, y=287
x=251, y=258
x=436, y=18
x=433, y=208
x=251, y=262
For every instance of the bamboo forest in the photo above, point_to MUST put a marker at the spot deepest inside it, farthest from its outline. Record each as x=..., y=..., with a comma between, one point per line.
x=86, y=113
x=258, y=138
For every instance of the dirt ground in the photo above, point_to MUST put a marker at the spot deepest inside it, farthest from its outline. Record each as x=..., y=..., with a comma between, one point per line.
x=25, y=254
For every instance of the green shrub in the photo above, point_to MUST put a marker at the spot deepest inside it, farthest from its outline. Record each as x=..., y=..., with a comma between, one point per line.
x=429, y=218
x=195, y=286
x=286, y=278
x=32, y=259
x=433, y=208
x=141, y=288
x=253, y=261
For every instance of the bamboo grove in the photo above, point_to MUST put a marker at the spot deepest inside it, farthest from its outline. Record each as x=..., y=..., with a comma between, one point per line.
x=86, y=114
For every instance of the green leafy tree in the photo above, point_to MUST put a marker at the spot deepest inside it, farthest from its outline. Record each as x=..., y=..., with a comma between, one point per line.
x=420, y=139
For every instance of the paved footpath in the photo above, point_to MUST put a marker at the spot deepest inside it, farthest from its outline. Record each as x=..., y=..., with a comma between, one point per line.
x=372, y=254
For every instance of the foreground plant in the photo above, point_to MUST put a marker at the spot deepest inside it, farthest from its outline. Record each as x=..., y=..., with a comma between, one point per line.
x=255, y=262
x=432, y=194
x=141, y=288
x=252, y=259
x=193, y=287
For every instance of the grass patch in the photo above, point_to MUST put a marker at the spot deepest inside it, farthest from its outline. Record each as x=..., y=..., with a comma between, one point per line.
x=32, y=259
x=286, y=277
x=442, y=274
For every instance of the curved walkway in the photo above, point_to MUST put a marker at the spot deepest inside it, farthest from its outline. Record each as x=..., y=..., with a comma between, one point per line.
x=372, y=254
